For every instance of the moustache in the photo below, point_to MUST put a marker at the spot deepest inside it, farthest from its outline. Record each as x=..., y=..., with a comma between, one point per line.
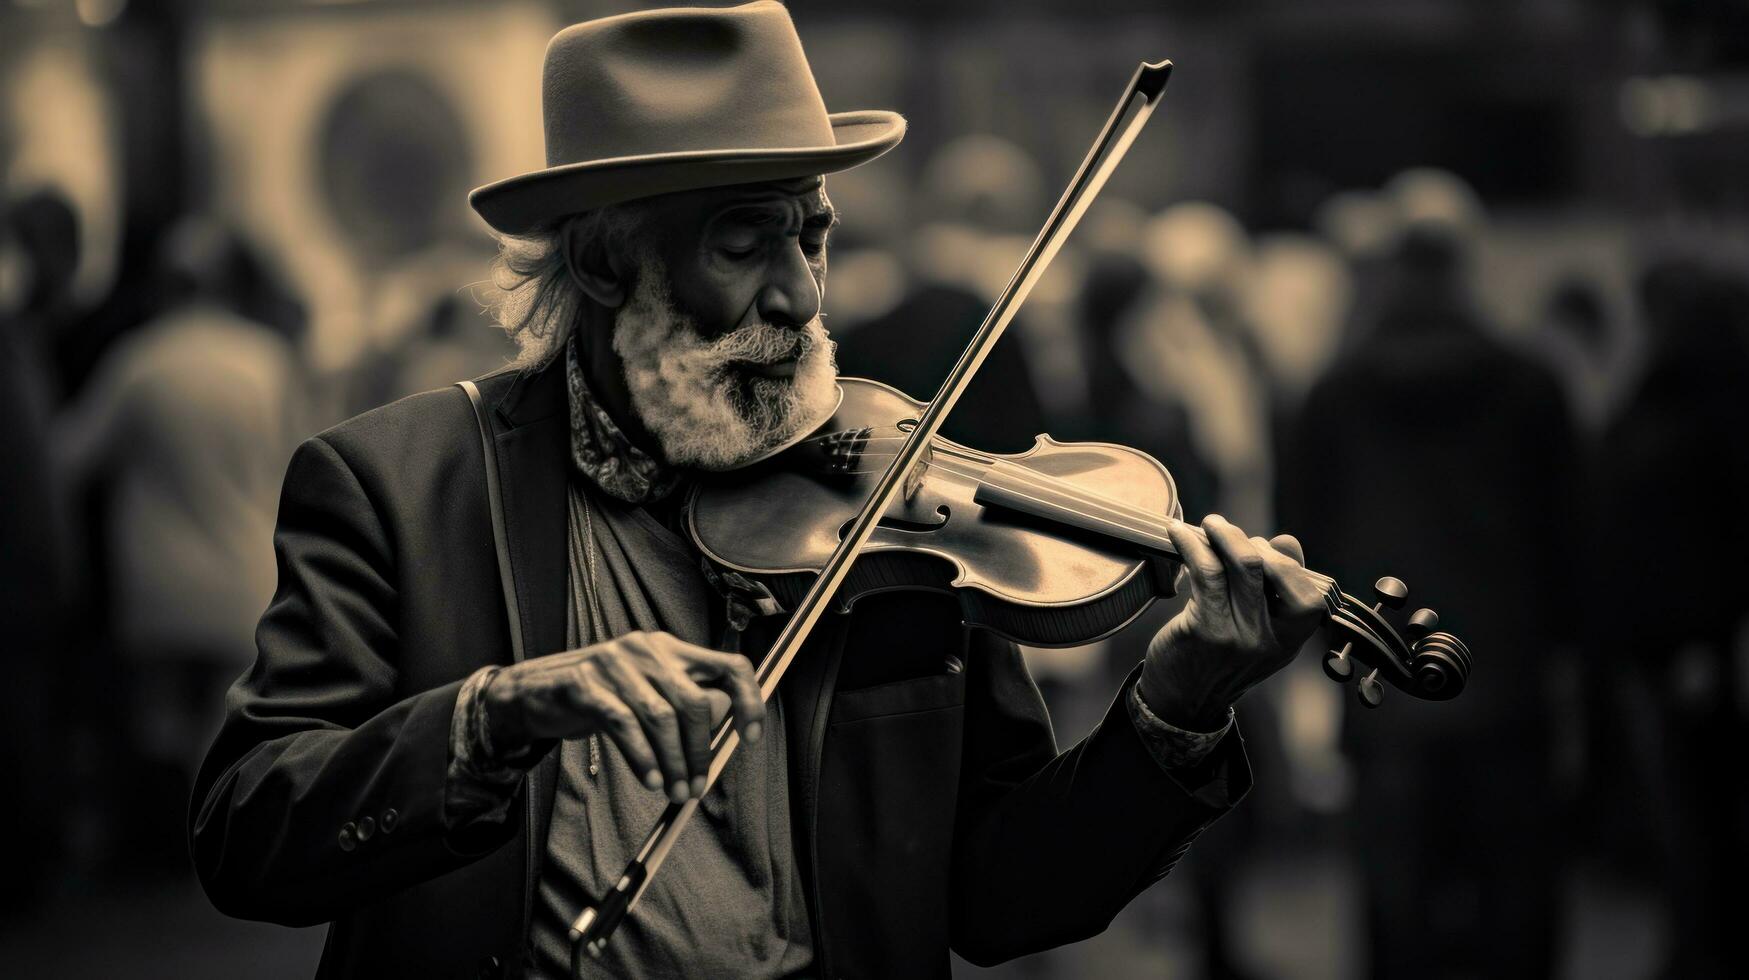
x=766, y=343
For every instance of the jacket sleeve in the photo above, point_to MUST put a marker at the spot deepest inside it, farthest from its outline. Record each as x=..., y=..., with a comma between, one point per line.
x=324, y=791
x=1050, y=846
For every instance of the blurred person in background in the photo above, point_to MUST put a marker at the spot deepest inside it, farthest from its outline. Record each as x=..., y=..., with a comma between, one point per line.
x=1432, y=446
x=38, y=253
x=1675, y=643
x=1191, y=341
x=976, y=192
x=43, y=233
x=1583, y=344
x=1121, y=410
x=1175, y=360
x=436, y=333
x=184, y=431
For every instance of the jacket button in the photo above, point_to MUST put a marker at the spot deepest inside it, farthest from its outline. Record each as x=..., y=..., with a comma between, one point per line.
x=348, y=836
x=367, y=829
x=391, y=817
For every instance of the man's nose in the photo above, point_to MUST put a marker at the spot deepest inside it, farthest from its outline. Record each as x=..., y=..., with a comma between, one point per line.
x=791, y=297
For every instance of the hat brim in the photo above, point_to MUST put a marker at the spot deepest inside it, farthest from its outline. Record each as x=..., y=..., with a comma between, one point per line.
x=526, y=203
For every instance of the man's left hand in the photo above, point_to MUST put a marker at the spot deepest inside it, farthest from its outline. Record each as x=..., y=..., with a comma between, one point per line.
x=1252, y=604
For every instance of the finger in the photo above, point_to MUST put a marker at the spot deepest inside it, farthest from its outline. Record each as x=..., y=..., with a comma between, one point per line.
x=660, y=721
x=1328, y=593
x=721, y=706
x=732, y=674
x=1248, y=601
x=1299, y=592
x=596, y=697
x=1289, y=545
x=1208, y=577
x=695, y=719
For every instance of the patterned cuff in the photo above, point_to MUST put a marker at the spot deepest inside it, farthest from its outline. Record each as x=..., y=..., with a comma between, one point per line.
x=1172, y=747
x=479, y=785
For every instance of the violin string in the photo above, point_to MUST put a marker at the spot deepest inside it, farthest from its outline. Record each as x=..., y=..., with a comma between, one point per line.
x=941, y=446
x=1078, y=495
x=1159, y=523
x=1053, y=484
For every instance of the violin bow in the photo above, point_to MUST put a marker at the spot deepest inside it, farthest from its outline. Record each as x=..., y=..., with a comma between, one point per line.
x=596, y=924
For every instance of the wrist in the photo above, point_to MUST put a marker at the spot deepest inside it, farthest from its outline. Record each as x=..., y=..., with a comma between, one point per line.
x=1171, y=704
x=499, y=733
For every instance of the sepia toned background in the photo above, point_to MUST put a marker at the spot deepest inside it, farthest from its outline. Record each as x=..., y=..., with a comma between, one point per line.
x=1455, y=291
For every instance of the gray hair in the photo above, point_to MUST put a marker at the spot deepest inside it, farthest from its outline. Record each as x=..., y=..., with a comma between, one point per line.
x=532, y=295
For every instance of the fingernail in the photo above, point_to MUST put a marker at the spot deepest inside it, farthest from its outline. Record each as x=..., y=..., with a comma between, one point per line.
x=653, y=779
x=754, y=731
x=698, y=786
x=677, y=792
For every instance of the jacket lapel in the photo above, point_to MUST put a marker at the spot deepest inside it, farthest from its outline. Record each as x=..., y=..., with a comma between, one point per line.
x=533, y=448
x=532, y=422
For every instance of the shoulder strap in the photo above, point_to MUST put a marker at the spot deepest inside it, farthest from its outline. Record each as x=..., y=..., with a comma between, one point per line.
x=495, y=499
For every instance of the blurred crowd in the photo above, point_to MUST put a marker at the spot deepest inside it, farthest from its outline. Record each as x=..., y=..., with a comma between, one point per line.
x=1552, y=454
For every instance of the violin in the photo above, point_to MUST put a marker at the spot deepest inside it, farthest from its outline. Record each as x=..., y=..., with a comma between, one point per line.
x=1058, y=546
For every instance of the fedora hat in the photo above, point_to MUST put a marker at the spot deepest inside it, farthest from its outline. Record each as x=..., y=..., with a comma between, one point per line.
x=671, y=100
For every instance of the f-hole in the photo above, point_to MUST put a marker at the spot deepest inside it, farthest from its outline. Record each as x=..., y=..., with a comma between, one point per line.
x=901, y=524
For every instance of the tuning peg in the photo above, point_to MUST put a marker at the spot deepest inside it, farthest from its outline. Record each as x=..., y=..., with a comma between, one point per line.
x=1371, y=692
x=1391, y=592
x=1337, y=666
x=1423, y=622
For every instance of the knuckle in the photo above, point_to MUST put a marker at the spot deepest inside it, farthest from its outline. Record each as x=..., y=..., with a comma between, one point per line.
x=695, y=708
x=618, y=716
x=586, y=677
x=1210, y=569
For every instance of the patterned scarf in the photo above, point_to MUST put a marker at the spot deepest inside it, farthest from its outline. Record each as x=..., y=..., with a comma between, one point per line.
x=601, y=452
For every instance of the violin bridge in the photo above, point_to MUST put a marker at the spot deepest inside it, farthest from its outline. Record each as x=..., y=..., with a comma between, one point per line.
x=914, y=482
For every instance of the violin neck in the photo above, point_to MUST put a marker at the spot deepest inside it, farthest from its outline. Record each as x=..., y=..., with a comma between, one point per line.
x=1016, y=488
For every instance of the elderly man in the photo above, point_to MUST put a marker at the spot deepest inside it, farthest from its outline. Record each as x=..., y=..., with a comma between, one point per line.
x=392, y=767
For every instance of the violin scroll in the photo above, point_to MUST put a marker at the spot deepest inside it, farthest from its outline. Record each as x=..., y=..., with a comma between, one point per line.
x=1441, y=663
x=1434, y=667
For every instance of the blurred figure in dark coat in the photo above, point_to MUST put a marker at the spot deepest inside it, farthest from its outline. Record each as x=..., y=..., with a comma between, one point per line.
x=1434, y=452
x=1583, y=344
x=979, y=191
x=39, y=251
x=1676, y=630
x=1121, y=411
x=184, y=431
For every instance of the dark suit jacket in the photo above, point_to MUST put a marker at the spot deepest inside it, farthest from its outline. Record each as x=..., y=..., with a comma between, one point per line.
x=932, y=809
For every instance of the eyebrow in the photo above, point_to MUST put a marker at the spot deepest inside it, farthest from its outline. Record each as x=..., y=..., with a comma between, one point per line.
x=768, y=214
x=762, y=214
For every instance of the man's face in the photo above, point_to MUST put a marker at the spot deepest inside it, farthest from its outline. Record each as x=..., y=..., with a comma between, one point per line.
x=724, y=352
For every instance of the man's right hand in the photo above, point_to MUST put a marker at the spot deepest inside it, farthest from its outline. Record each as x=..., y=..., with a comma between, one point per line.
x=657, y=696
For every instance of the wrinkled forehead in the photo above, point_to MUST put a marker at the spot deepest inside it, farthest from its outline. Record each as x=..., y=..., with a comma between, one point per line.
x=791, y=205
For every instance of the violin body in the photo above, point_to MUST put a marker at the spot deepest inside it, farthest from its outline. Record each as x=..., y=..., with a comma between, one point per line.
x=1057, y=546
x=1038, y=584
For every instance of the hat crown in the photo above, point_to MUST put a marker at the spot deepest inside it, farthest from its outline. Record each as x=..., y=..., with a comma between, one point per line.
x=690, y=78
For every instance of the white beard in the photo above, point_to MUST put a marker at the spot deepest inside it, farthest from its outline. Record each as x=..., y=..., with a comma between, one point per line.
x=705, y=413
